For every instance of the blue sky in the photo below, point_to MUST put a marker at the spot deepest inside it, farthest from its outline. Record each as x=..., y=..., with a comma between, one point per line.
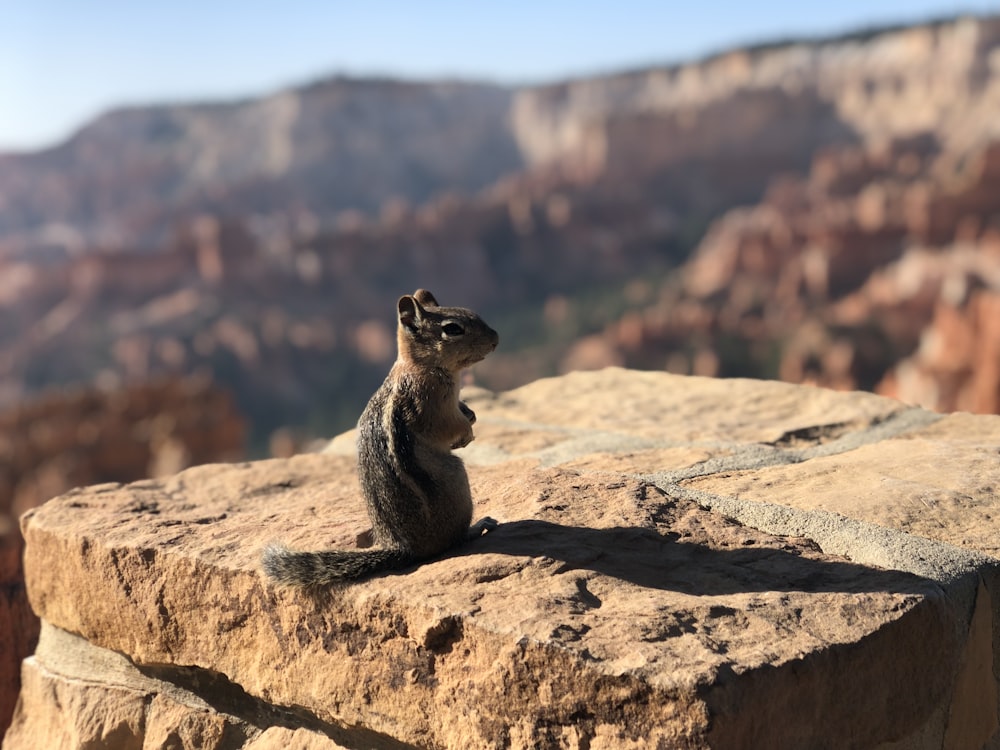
x=63, y=62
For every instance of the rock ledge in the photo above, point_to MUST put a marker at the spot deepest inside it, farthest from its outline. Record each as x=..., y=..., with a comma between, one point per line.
x=691, y=563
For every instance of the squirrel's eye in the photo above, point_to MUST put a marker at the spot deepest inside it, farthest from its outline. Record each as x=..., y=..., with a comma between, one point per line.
x=452, y=329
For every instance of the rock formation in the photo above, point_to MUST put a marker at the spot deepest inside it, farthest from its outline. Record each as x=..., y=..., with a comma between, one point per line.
x=865, y=253
x=85, y=437
x=681, y=562
x=875, y=271
x=335, y=144
x=957, y=365
x=774, y=101
x=851, y=158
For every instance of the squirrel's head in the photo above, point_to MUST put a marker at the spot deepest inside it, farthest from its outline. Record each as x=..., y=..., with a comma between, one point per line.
x=448, y=337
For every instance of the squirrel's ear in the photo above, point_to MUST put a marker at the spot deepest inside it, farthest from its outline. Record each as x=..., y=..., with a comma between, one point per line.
x=425, y=298
x=410, y=312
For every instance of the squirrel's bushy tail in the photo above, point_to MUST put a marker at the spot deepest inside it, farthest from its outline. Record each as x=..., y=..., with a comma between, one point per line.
x=291, y=568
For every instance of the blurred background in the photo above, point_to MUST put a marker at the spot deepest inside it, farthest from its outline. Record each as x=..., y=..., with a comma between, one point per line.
x=208, y=211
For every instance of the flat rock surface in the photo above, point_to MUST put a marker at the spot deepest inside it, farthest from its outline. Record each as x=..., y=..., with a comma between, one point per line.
x=855, y=454
x=682, y=408
x=936, y=482
x=613, y=607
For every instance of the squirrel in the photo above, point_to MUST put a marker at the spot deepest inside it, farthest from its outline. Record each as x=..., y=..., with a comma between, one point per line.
x=416, y=490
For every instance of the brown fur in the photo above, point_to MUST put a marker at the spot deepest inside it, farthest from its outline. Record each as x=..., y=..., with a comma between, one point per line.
x=416, y=490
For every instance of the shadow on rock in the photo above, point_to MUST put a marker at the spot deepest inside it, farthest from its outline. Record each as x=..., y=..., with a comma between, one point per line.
x=663, y=561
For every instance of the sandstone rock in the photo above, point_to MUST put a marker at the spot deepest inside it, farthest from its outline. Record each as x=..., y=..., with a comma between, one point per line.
x=907, y=456
x=635, y=600
x=674, y=409
x=611, y=608
x=895, y=84
x=64, y=440
x=84, y=696
x=934, y=481
x=874, y=271
x=957, y=366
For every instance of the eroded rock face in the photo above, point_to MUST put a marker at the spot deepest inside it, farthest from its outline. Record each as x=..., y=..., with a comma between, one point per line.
x=957, y=365
x=877, y=86
x=633, y=595
x=880, y=270
x=80, y=437
x=131, y=708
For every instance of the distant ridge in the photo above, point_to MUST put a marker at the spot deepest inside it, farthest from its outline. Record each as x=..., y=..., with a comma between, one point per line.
x=709, y=217
x=344, y=142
